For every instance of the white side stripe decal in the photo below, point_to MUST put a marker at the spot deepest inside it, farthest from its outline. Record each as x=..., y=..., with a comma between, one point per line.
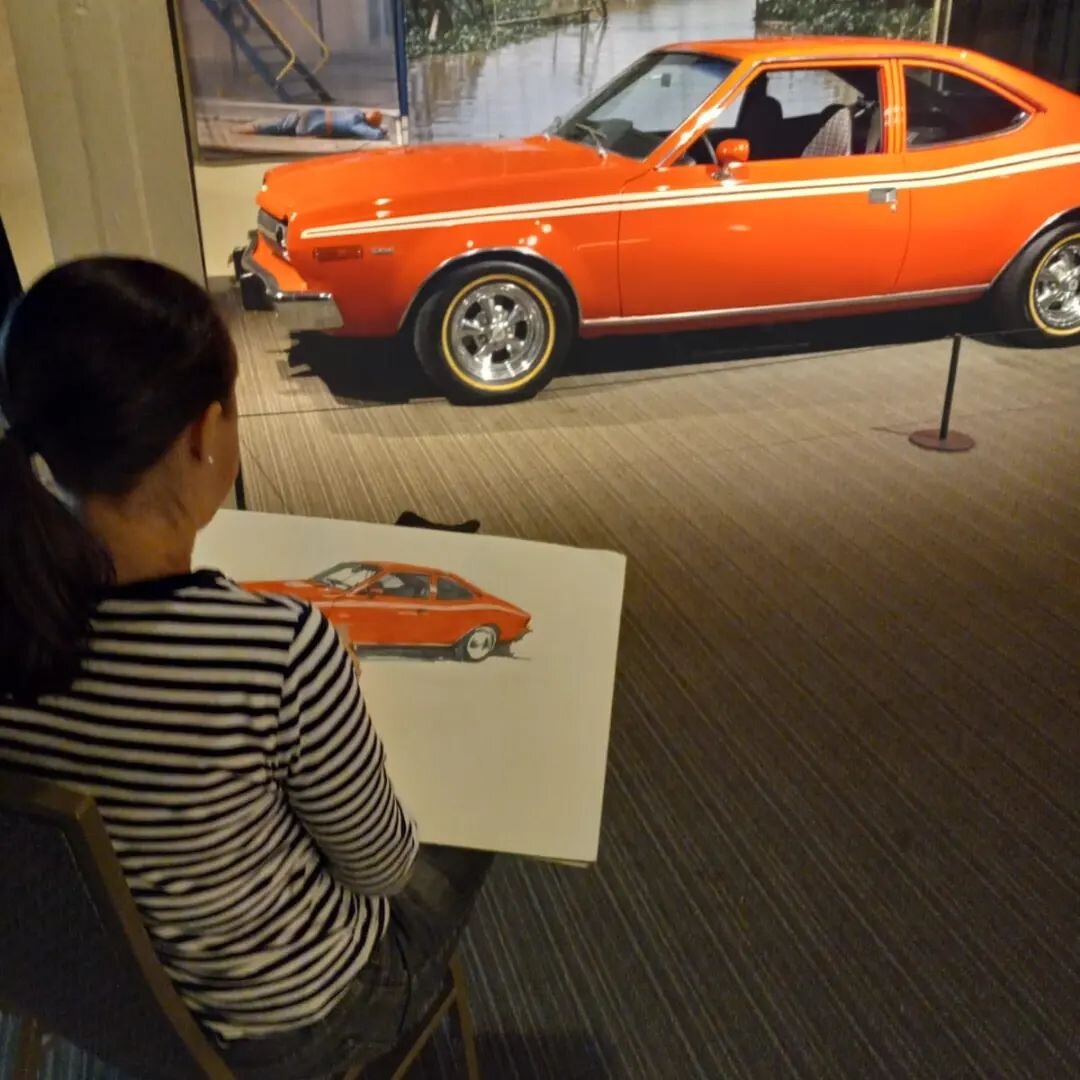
x=1058, y=157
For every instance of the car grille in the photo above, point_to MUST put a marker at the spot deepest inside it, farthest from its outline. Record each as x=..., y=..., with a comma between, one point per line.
x=275, y=230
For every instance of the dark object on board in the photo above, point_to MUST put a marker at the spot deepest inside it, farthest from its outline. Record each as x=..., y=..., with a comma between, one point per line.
x=415, y=521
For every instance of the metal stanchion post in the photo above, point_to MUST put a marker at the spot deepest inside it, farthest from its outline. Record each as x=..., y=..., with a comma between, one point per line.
x=238, y=489
x=942, y=438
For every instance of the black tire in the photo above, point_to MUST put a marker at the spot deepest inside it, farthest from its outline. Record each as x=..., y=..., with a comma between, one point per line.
x=478, y=644
x=1017, y=312
x=548, y=335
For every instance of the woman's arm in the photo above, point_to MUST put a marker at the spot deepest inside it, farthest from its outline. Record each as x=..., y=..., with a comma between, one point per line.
x=335, y=774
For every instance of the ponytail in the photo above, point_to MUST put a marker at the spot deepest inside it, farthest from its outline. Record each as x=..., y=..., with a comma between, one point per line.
x=52, y=571
x=103, y=365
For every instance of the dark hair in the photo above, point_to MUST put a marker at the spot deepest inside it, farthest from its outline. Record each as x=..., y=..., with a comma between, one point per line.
x=103, y=364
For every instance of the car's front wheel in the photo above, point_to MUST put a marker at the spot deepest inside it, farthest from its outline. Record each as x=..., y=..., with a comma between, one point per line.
x=1038, y=297
x=478, y=644
x=493, y=331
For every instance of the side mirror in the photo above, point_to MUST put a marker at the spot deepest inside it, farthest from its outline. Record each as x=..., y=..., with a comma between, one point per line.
x=731, y=152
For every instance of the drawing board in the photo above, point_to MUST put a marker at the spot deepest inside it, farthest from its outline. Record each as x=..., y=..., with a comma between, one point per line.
x=488, y=665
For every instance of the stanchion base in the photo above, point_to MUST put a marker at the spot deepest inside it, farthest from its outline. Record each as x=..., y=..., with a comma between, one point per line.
x=954, y=442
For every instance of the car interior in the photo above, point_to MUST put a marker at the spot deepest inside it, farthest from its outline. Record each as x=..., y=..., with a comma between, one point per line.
x=942, y=107
x=837, y=129
x=407, y=586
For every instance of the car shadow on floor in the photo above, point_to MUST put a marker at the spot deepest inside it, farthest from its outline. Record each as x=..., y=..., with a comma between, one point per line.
x=385, y=370
x=431, y=655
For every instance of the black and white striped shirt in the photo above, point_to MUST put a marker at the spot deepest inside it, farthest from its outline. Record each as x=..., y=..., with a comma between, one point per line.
x=226, y=741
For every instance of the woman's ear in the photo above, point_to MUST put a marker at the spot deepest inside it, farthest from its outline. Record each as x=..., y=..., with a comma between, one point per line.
x=205, y=433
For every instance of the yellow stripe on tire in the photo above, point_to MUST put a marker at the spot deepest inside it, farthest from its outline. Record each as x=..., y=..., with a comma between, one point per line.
x=499, y=388
x=1033, y=309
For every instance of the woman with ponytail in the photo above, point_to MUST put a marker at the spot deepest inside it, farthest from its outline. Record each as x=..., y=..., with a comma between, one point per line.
x=223, y=734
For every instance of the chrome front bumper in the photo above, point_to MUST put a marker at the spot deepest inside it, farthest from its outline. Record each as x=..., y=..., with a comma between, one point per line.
x=259, y=291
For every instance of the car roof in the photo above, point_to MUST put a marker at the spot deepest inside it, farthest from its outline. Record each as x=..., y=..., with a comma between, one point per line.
x=409, y=568
x=791, y=48
x=808, y=47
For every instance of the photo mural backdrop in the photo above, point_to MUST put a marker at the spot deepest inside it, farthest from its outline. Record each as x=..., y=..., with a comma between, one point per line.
x=481, y=69
x=262, y=75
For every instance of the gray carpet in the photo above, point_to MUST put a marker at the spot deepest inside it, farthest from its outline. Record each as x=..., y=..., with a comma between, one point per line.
x=842, y=822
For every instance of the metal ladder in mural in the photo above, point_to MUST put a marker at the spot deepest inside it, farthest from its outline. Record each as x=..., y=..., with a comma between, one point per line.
x=254, y=34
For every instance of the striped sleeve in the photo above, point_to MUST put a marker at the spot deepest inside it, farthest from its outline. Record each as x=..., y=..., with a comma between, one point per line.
x=335, y=767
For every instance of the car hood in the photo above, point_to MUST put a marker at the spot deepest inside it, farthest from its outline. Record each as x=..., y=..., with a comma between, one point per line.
x=305, y=590
x=377, y=183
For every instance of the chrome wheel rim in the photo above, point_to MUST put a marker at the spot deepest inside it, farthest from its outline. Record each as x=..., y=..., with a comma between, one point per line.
x=480, y=643
x=1056, y=292
x=498, y=332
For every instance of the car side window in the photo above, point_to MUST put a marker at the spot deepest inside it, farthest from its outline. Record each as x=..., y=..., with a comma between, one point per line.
x=807, y=112
x=943, y=107
x=451, y=590
x=406, y=586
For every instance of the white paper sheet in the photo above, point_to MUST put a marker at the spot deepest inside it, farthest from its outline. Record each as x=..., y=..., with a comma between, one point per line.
x=508, y=754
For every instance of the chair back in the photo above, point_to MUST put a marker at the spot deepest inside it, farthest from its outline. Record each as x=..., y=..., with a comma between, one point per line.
x=74, y=953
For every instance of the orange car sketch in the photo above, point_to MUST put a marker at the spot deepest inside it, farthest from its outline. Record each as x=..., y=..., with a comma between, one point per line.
x=398, y=605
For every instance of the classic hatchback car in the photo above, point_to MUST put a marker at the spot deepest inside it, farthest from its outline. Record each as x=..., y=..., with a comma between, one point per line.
x=709, y=183
x=395, y=605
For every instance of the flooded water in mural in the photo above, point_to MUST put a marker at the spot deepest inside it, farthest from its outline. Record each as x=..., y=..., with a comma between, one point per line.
x=518, y=89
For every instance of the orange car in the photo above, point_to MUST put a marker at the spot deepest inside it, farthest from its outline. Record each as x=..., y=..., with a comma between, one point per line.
x=395, y=605
x=711, y=183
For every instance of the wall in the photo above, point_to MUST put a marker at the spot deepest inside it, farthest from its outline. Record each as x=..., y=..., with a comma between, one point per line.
x=1040, y=35
x=107, y=129
x=21, y=206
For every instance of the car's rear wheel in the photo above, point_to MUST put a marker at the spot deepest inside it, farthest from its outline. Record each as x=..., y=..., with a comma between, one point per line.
x=477, y=644
x=493, y=331
x=1038, y=297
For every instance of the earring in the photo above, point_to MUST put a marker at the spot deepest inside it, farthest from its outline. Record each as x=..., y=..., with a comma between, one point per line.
x=210, y=459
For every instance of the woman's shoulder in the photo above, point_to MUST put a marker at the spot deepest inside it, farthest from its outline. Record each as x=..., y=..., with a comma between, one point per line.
x=208, y=594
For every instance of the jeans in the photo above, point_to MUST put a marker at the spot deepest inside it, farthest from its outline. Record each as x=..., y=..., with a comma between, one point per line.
x=323, y=124
x=396, y=988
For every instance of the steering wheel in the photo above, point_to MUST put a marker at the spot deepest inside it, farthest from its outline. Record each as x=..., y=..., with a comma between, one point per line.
x=689, y=159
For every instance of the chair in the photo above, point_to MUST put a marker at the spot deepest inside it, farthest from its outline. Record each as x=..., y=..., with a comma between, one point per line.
x=75, y=958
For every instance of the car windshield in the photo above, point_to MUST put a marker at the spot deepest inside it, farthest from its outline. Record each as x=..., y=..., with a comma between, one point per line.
x=640, y=108
x=346, y=575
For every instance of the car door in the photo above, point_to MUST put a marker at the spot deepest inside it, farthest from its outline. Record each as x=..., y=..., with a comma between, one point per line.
x=809, y=219
x=976, y=194
x=391, y=609
x=454, y=611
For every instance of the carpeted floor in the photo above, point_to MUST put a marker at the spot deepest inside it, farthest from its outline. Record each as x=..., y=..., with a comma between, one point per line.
x=842, y=822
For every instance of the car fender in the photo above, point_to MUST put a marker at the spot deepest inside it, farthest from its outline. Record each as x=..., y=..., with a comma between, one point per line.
x=526, y=256
x=1051, y=222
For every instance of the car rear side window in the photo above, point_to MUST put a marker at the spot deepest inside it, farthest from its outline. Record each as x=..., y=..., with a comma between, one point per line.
x=943, y=107
x=451, y=590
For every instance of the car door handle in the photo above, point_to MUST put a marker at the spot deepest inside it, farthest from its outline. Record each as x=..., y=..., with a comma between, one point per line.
x=883, y=196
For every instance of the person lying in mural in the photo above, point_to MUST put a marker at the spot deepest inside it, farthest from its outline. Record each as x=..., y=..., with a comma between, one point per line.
x=323, y=123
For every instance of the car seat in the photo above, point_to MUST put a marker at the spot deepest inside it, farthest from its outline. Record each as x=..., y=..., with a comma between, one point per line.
x=834, y=137
x=761, y=121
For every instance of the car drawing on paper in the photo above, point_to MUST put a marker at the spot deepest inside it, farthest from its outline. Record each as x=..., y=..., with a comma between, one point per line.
x=388, y=605
x=713, y=183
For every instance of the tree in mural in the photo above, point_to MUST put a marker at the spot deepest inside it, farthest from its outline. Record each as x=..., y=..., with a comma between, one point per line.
x=888, y=18
x=465, y=25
